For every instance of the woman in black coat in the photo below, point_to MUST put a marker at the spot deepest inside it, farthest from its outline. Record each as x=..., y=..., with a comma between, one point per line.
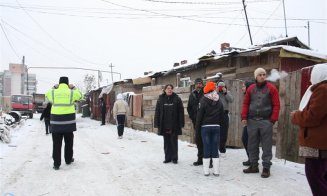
x=169, y=119
x=46, y=115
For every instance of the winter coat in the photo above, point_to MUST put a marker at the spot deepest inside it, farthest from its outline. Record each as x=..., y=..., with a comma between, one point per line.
x=210, y=113
x=261, y=102
x=120, y=108
x=63, y=117
x=193, y=104
x=46, y=112
x=225, y=99
x=313, y=119
x=177, y=113
x=103, y=106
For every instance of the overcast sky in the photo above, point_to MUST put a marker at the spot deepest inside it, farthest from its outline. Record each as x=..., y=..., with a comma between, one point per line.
x=142, y=35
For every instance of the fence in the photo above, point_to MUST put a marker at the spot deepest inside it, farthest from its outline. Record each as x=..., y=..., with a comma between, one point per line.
x=290, y=95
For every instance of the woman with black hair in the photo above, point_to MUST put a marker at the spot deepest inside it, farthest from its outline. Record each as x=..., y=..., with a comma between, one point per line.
x=169, y=119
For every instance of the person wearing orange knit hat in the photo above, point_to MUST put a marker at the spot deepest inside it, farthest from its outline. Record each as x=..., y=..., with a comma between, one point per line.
x=208, y=122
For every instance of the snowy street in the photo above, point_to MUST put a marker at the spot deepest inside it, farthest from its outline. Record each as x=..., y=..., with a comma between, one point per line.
x=105, y=165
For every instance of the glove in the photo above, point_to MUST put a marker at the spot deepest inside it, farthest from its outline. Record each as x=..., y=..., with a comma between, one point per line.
x=55, y=86
x=71, y=86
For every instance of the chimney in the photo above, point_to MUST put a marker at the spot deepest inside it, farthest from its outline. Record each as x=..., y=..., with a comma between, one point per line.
x=224, y=46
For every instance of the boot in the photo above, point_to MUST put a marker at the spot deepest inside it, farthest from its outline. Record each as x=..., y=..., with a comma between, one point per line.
x=247, y=163
x=198, y=162
x=252, y=169
x=206, y=163
x=210, y=165
x=215, y=163
x=265, y=173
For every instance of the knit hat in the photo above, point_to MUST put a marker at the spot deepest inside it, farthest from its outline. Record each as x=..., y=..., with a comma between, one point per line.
x=210, y=86
x=64, y=79
x=198, y=80
x=221, y=84
x=120, y=96
x=259, y=71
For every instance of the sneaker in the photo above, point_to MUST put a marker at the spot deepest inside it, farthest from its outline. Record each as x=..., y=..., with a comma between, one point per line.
x=251, y=169
x=198, y=163
x=166, y=161
x=70, y=161
x=265, y=173
x=56, y=167
x=247, y=163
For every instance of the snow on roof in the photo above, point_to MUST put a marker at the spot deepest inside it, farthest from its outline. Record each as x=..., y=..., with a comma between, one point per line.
x=285, y=39
x=297, y=50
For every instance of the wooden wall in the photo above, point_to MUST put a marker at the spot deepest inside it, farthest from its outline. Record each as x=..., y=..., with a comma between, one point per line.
x=235, y=130
x=290, y=96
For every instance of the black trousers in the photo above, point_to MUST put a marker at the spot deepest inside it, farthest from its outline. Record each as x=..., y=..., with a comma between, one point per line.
x=103, y=118
x=224, y=132
x=245, y=139
x=57, y=143
x=120, y=124
x=171, y=146
x=47, y=125
x=199, y=143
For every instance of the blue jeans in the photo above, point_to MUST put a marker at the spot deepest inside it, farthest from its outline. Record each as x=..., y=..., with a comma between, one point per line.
x=210, y=138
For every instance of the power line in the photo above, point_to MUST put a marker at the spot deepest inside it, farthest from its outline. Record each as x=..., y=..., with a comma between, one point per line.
x=52, y=38
x=40, y=43
x=267, y=19
x=206, y=3
x=187, y=18
x=104, y=10
x=11, y=46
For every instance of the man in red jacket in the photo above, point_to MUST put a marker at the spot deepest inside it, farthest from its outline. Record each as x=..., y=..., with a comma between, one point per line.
x=260, y=112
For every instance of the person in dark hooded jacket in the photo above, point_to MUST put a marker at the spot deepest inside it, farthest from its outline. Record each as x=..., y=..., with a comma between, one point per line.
x=46, y=115
x=192, y=109
x=169, y=119
x=208, y=121
x=245, y=86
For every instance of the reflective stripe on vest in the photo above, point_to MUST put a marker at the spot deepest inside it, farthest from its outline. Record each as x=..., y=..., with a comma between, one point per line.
x=62, y=122
x=62, y=104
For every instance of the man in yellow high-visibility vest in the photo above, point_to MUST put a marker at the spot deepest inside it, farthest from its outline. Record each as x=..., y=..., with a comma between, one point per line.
x=63, y=119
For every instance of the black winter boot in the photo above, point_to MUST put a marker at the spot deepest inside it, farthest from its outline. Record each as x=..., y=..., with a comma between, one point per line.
x=247, y=163
x=198, y=162
x=210, y=165
x=265, y=173
x=252, y=169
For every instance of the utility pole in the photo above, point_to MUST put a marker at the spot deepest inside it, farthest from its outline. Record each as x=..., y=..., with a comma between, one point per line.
x=309, y=33
x=98, y=78
x=23, y=62
x=285, y=18
x=247, y=21
x=112, y=76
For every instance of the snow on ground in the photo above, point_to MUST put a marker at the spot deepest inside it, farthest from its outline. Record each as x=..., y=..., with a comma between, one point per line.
x=105, y=165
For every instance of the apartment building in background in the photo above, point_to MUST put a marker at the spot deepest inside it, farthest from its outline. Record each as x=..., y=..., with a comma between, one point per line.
x=14, y=81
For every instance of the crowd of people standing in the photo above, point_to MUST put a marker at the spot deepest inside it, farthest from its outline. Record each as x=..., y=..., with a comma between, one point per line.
x=208, y=109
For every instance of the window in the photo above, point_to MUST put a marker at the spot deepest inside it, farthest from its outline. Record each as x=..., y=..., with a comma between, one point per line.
x=185, y=82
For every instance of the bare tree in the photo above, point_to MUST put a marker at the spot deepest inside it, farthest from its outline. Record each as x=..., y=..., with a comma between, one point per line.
x=89, y=82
